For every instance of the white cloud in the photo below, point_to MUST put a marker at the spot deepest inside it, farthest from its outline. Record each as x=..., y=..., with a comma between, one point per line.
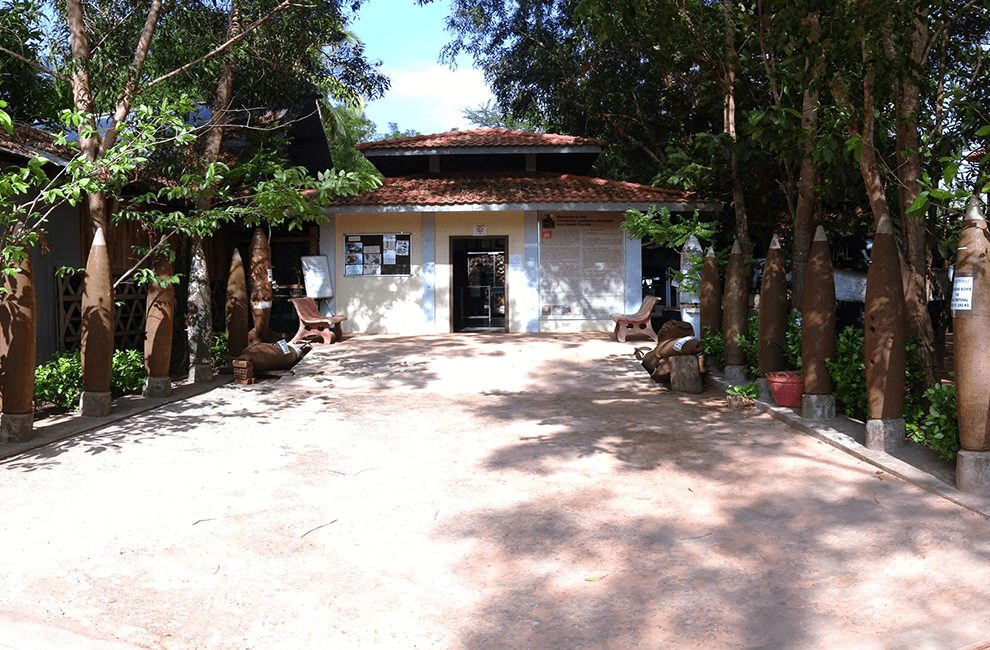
x=430, y=100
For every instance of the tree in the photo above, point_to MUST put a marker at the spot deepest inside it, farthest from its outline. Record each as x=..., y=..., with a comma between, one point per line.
x=280, y=38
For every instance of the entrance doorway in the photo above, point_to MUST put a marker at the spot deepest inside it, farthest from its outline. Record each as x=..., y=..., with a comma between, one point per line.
x=478, y=285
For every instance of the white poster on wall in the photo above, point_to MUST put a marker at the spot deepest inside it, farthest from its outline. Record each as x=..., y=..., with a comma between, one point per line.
x=582, y=265
x=316, y=276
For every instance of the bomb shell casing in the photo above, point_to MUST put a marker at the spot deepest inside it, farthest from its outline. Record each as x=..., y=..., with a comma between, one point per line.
x=735, y=308
x=711, y=296
x=884, y=335
x=818, y=318
x=237, y=307
x=158, y=322
x=971, y=330
x=18, y=341
x=97, y=318
x=199, y=307
x=774, y=306
x=260, y=273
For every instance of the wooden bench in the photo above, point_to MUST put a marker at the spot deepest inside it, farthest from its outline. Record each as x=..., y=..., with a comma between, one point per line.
x=311, y=321
x=638, y=323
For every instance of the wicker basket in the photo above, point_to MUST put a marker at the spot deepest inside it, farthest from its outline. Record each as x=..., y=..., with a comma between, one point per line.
x=787, y=388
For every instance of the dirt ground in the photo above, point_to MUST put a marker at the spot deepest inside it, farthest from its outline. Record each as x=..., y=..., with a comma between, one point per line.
x=472, y=492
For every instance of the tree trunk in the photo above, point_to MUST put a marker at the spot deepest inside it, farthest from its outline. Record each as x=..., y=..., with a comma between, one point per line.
x=729, y=122
x=909, y=167
x=199, y=317
x=804, y=214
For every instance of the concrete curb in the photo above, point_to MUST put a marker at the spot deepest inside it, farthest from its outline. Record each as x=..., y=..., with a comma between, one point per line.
x=62, y=427
x=845, y=433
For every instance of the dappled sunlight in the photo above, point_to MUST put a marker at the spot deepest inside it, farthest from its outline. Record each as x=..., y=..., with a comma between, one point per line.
x=486, y=491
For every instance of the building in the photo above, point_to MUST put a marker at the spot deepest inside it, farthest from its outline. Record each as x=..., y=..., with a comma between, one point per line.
x=488, y=230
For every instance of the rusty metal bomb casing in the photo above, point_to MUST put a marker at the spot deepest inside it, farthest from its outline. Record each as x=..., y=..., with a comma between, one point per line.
x=260, y=269
x=237, y=307
x=97, y=318
x=884, y=328
x=158, y=322
x=971, y=330
x=711, y=295
x=18, y=341
x=773, y=311
x=735, y=308
x=818, y=318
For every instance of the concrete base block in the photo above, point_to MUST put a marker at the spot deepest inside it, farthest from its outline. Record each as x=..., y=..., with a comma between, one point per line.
x=765, y=395
x=200, y=372
x=973, y=472
x=885, y=435
x=817, y=407
x=157, y=387
x=735, y=374
x=684, y=374
x=95, y=405
x=16, y=427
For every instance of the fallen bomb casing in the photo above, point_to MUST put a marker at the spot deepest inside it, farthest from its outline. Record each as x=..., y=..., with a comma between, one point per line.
x=971, y=330
x=237, y=307
x=818, y=318
x=260, y=274
x=271, y=356
x=97, y=318
x=18, y=341
x=774, y=306
x=711, y=296
x=158, y=322
x=735, y=308
x=884, y=328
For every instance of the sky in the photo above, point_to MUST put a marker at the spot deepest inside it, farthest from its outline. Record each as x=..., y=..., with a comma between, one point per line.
x=425, y=95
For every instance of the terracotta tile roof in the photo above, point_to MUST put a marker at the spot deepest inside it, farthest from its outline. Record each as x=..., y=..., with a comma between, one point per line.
x=483, y=138
x=27, y=142
x=501, y=188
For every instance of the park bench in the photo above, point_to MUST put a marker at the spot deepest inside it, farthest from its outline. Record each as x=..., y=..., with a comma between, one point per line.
x=636, y=323
x=311, y=322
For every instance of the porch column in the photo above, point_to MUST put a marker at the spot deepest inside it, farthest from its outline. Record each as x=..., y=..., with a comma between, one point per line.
x=429, y=253
x=528, y=302
x=634, y=275
x=328, y=240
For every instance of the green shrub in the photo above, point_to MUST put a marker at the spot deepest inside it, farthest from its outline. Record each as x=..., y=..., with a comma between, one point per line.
x=219, y=350
x=792, y=341
x=848, y=371
x=713, y=345
x=750, y=390
x=59, y=381
x=939, y=427
x=751, y=344
x=128, y=372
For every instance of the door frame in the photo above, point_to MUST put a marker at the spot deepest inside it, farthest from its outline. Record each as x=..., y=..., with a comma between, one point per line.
x=450, y=282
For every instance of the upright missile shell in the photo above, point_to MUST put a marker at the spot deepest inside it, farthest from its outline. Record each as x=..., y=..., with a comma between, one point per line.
x=97, y=318
x=818, y=318
x=711, y=296
x=199, y=312
x=971, y=329
x=773, y=311
x=260, y=261
x=735, y=307
x=884, y=328
x=237, y=307
x=158, y=322
x=18, y=341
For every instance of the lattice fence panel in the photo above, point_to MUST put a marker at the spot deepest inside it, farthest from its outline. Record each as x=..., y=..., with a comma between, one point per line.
x=129, y=314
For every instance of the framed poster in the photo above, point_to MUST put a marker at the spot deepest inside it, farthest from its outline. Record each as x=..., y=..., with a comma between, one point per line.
x=316, y=276
x=380, y=254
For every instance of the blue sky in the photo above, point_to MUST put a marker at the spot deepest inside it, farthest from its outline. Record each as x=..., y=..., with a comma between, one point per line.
x=425, y=95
